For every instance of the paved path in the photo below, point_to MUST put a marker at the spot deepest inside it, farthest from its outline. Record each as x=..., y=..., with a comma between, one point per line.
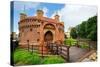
x=76, y=53
x=90, y=56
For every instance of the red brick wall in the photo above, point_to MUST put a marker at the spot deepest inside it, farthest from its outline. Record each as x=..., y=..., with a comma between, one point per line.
x=28, y=31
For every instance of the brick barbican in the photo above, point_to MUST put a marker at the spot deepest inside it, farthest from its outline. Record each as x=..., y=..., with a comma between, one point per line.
x=37, y=30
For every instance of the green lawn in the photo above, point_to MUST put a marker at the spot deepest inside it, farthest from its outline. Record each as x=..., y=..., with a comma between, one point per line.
x=53, y=60
x=23, y=57
x=84, y=45
x=72, y=42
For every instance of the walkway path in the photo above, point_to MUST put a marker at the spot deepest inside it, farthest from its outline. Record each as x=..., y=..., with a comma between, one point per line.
x=76, y=53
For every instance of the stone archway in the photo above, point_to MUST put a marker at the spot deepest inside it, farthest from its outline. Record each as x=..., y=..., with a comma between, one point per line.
x=49, y=33
x=48, y=37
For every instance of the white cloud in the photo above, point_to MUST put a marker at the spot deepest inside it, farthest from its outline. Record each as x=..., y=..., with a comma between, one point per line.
x=56, y=12
x=73, y=15
x=45, y=10
x=52, y=16
x=17, y=32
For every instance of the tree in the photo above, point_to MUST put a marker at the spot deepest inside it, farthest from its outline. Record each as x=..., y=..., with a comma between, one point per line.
x=87, y=29
x=92, y=28
x=73, y=33
x=83, y=29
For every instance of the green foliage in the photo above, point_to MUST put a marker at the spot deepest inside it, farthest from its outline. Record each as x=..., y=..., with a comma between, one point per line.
x=73, y=33
x=92, y=35
x=22, y=56
x=70, y=42
x=87, y=29
x=82, y=30
x=53, y=60
x=84, y=45
x=92, y=28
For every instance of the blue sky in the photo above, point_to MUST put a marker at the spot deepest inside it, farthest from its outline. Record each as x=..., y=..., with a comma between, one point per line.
x=30, y=10
x=71, y=15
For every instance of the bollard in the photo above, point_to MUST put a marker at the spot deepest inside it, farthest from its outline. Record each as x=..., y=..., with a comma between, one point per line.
x=68, y=57
x=28, y=44
x=32, y=48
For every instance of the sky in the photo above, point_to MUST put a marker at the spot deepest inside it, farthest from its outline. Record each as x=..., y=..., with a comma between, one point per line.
x=70, y=14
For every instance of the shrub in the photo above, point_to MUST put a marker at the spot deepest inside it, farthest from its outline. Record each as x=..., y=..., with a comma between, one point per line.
x=53, y=60
x=84, y=45
x=22, y=56
x=70, y=42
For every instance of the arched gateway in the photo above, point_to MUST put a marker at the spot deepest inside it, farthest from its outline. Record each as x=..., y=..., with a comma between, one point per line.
x=48, y=37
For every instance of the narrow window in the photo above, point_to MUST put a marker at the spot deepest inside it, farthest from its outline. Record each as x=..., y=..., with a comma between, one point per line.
x=30, y=29
x=37, y=39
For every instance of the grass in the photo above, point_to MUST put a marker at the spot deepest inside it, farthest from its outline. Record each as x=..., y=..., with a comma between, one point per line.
x=70, y=42
x=84, y=45
x=53, y=60
x=22, y=57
